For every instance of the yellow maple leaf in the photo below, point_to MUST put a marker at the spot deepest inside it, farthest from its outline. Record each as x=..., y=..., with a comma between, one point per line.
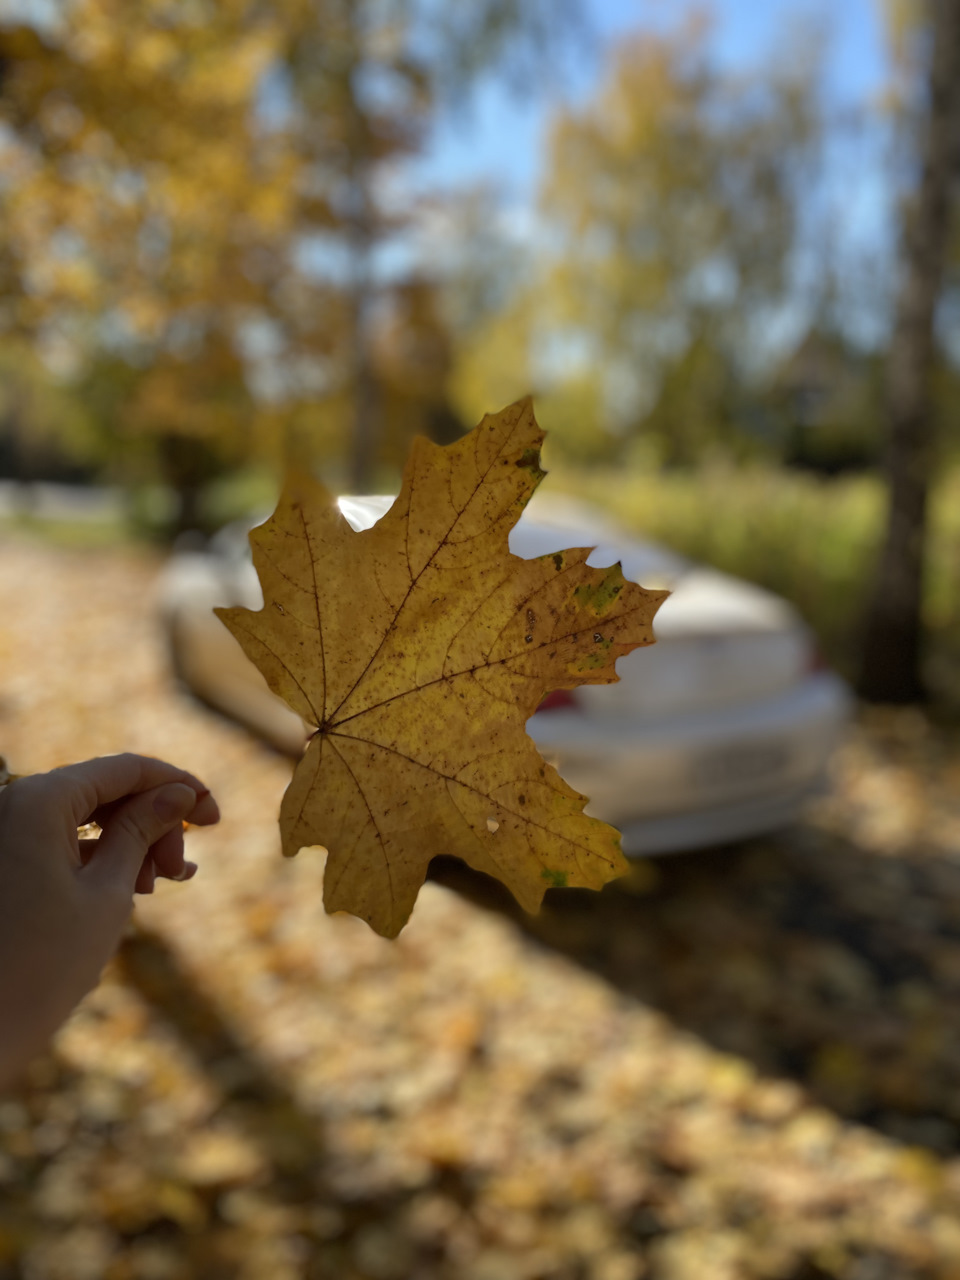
x=419, y=648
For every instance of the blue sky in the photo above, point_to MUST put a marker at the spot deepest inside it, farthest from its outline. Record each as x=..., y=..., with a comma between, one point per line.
x=501, y=139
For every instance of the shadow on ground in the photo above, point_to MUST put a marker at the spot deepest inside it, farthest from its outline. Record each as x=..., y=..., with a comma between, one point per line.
x=806, y=955
x=255, y=1099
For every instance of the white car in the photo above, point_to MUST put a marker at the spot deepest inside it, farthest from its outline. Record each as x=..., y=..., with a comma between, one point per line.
x=719, y=731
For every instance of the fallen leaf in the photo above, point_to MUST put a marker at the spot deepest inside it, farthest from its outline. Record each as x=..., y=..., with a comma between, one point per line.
x=419, y=648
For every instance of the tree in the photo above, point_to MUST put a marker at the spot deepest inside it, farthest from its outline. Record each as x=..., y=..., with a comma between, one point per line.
x=674, y=203
x=188, y=180
x=44, y=431
x=891, y=667
x=148, y=213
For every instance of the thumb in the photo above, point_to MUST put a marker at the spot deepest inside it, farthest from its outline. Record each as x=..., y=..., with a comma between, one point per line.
x=134, y=827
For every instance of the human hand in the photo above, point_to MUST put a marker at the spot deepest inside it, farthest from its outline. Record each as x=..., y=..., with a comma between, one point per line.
x=64, y=902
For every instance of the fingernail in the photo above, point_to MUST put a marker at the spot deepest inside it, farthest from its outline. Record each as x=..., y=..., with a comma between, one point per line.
x=188, y=872
x=174, y=801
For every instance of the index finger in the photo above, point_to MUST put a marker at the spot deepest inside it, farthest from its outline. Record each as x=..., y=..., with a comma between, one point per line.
x=94, y=783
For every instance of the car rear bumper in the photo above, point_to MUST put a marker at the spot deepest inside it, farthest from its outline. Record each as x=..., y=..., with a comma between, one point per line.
x=724, y=824
x=701, y=780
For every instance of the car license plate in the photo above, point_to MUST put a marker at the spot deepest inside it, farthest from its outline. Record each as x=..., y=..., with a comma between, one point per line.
x=736, y=765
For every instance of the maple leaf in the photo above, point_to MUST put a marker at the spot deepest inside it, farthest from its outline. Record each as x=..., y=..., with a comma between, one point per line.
x=419, y=648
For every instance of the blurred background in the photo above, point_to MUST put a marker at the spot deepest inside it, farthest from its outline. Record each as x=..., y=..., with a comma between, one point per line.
x=720, y=246
x=235, y=234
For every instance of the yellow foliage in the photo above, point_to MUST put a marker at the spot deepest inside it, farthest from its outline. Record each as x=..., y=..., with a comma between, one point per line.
x=419, y=648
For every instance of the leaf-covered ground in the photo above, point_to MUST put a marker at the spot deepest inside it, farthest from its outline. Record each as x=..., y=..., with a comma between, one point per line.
x=750, y=1068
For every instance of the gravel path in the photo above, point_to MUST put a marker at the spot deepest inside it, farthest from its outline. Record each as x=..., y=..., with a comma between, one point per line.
x=742, y=1064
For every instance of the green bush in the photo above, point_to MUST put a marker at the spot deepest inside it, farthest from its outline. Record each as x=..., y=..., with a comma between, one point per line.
x=810, y=539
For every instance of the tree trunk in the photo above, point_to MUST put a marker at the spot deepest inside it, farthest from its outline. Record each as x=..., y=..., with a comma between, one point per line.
x=365, y=424
x=365, y=428
x=362, y=229
x=891, y=664
x=187, y=465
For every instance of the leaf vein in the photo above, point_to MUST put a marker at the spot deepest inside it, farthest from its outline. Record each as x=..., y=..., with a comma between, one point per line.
x=438, y=773
x=366, y=803
x=263, y=644
x=433, y=554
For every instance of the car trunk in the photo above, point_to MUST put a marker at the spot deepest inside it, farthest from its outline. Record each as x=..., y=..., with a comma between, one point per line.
x=721, y=642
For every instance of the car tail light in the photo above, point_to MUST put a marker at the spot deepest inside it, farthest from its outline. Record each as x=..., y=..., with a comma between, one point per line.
x=559, y=700
x=815, y=659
